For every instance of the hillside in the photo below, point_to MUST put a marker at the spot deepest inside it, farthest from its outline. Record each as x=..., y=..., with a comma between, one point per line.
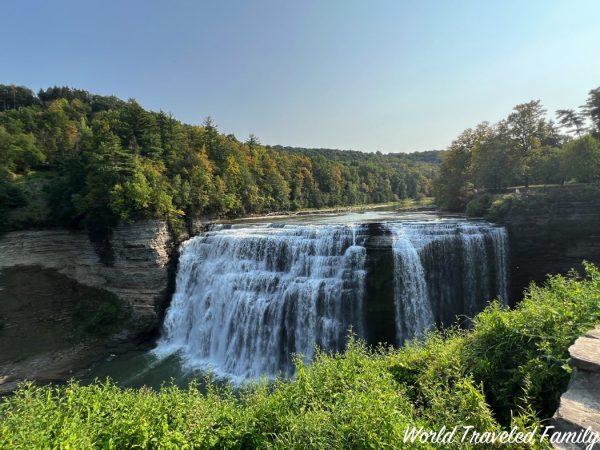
x=76, y=159
x=526, y=148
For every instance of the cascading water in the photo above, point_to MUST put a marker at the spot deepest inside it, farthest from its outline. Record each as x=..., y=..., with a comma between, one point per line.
x=411, y=297
x=445, y=269
x=248, y=298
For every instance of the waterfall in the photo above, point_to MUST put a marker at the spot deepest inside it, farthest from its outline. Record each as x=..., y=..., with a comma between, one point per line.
x=413, y=308
x=246, y=299
x=445, y=269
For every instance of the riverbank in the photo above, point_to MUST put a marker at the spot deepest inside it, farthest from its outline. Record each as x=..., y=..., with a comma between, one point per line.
x=408, y=205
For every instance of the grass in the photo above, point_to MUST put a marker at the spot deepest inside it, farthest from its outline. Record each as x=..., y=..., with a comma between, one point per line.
x=508, y=370
x=411, y=203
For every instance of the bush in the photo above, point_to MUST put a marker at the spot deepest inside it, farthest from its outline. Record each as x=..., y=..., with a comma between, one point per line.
x=511, y=363
x=100, y=313
x=548, y=201
x=479, y=205
x=526, y=349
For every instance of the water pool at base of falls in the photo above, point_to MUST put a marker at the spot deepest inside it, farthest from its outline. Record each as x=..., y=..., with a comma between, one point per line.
x=250, y=296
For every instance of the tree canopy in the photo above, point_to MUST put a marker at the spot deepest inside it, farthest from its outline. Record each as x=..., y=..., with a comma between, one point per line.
x=524, y=148
x=80, y=159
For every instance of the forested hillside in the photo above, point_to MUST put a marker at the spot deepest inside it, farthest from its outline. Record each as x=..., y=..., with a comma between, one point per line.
x=523, y=149
x=72, y=158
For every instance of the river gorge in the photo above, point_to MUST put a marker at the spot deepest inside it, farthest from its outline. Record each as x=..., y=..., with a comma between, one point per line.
x=240, y=299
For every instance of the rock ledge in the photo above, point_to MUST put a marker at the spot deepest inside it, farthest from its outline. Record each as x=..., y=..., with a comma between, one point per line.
x=580, y=405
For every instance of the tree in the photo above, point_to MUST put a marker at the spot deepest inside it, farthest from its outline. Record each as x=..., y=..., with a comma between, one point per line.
x=582, y=159
x=454, y=185
x=252, y=141
x=592, y=109
x=272, y=182
x=13, y=97
x=527, y=128
x=138, y=130
x=546, y=165
x=492, y=162
x=19, y=152
x=572, y=121
x=63, y=92
x=199, y=179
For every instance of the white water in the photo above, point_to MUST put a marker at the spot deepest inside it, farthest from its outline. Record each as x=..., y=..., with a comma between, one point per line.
x=445, y=269
x=248, y=298
x=414, y=315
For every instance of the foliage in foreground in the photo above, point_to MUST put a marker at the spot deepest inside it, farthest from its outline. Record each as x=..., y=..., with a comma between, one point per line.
x=509, y=370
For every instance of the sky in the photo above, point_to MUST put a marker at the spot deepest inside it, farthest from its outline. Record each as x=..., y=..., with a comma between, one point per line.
x=377, y=75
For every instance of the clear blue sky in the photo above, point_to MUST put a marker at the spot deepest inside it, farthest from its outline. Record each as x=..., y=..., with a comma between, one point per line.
x=366, y=75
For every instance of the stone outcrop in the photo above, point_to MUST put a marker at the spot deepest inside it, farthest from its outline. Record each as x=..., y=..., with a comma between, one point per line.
x=379, y=306
x=46, y=278
x=579, y=407
x=137, y=272
x=550, y=237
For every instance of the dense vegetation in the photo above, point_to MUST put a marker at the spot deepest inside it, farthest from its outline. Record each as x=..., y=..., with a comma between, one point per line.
x=71, y=158
x=550, y=201
x=525, y=148
x=508, y=370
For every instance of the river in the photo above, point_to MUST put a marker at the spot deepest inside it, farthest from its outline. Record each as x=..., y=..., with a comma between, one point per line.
x=252, y=294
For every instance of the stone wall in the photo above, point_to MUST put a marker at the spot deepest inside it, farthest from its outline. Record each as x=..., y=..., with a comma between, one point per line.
x=579, y=407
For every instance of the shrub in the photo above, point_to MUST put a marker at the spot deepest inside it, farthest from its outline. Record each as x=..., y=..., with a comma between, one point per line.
x=511, y=204
x=479, y=205
x=527, y=348
x=99, y=313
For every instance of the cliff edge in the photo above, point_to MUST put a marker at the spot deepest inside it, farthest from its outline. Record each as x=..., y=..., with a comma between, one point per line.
x=63, y=302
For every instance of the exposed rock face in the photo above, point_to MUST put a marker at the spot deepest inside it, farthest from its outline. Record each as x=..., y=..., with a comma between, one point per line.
x=137, y=273
x=47, y=278
x=580, y=405
x=551, y=241
x=379, y=306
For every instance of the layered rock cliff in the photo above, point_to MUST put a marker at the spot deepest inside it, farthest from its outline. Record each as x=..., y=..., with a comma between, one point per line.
x=551, y=232
x=45, y=276
x=137, y=273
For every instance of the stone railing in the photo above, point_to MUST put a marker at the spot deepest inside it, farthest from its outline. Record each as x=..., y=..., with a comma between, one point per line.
x=580, y=405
